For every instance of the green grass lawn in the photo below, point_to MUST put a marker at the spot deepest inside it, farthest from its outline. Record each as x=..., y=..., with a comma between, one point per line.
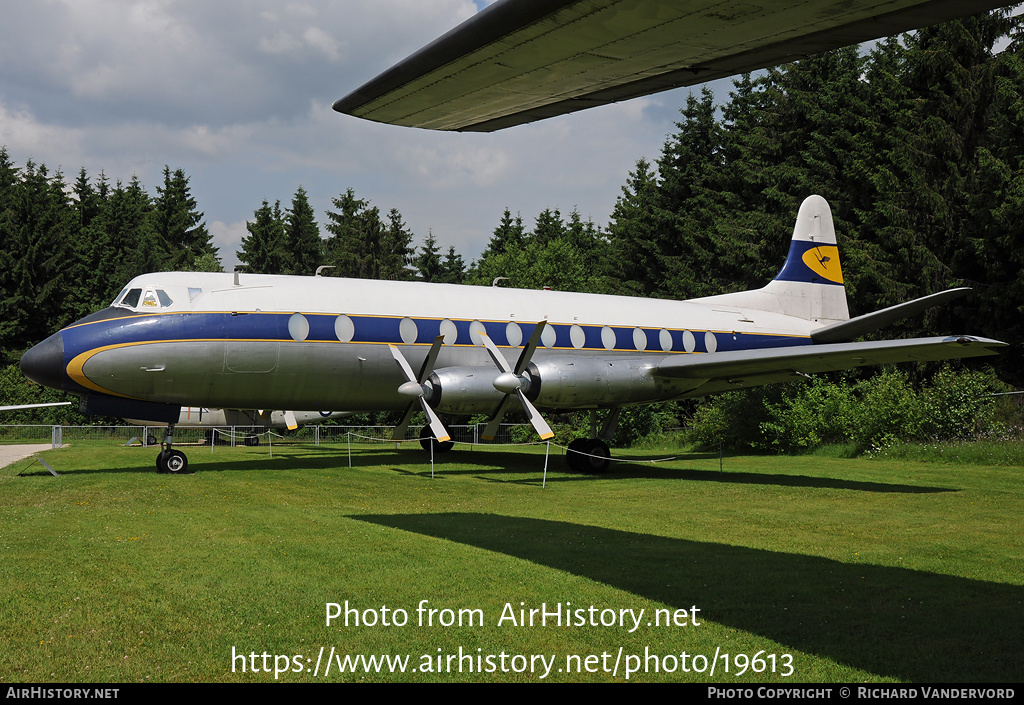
x=826, y=568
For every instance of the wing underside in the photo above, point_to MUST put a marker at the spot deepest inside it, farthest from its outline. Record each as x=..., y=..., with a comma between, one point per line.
x=737, y=369
x=523, y=60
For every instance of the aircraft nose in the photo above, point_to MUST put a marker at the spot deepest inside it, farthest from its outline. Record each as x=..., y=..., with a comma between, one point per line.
x=44, y=363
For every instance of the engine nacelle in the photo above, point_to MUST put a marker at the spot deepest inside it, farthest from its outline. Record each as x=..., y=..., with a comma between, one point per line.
x=567, y=383
x=463, y=390
x=581, y=382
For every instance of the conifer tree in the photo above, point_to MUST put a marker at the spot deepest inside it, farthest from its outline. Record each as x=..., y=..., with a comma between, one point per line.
x=37, y=229
x=364, y=246
x=129, y=243
x=635, y=231
x=396, y=254
x=509, y=232
x=453, y=269
x=548, y=228
x=428, y=260
x=305, y=247
x=263, y=251
x=179, y=227
x=688, y=251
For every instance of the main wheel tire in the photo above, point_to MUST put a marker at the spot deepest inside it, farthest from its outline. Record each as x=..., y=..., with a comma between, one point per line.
x=598, y=457
x=252, y=440
x=161, y=466
x=573, y=457
x=427, y=437
x=588, y=455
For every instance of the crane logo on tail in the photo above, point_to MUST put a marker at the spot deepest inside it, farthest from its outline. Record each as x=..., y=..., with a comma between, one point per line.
x=824, y=261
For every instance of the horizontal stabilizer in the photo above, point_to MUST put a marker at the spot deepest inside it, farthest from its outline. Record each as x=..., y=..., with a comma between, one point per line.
x=809, y=359
x=856, y=327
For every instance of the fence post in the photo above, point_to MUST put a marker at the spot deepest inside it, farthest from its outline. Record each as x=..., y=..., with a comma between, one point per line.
x=547, y=452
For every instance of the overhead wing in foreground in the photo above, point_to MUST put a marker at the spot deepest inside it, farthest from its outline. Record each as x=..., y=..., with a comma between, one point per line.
x=747, y=368
x=523, y=60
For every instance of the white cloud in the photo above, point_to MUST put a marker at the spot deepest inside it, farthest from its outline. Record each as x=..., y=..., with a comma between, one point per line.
x=23, y=134
x=238, y=94
x=227, y=238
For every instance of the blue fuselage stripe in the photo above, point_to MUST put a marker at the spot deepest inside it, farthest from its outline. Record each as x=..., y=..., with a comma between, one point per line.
x=273, y=327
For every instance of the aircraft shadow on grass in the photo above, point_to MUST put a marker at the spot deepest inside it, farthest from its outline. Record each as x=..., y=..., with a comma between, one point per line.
x=906, y=624
x=531, y=472
x=529, y=469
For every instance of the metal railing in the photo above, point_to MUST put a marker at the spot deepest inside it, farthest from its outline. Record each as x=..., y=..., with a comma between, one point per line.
x=238, y=435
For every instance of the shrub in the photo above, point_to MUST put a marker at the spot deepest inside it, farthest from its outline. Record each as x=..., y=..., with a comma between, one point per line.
x=889, y=411
x=957, y=405
x=818, y=413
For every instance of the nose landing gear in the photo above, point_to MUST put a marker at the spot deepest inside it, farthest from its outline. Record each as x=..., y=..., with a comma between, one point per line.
x=170, y=460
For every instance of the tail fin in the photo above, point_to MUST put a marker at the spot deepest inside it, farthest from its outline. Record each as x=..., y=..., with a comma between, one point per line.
x=810, y=284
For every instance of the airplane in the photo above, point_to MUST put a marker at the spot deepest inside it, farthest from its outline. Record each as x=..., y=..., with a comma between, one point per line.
x=253, y=341
x=245, y=341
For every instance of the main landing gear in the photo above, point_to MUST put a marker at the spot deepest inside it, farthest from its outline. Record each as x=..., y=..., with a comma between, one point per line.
x=591, y=455
x=427, y=437
x=170, y=460
x=588, y=455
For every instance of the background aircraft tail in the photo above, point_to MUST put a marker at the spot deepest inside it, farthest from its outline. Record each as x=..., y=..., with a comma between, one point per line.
x=810, y=284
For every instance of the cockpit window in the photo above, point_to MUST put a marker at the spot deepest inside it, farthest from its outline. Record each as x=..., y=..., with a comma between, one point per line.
x=131, y=299
x=153, y=298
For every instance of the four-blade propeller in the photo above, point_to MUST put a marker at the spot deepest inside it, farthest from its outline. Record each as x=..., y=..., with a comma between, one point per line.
x=413, y=387
x=512, y=382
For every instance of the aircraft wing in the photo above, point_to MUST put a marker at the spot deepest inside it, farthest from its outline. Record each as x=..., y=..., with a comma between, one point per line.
x=523, y=60
x=746, y=368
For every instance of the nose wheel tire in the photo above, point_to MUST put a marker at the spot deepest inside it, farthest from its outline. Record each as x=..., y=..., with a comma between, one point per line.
x=173, y=462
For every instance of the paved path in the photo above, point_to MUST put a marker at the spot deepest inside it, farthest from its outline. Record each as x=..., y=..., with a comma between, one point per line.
x=12, y=454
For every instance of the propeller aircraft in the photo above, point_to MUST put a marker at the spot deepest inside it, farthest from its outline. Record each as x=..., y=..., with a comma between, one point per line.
x=245, y=341
x=249, y=341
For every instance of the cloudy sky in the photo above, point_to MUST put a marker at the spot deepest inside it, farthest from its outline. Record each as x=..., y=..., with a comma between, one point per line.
x=238, y=93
